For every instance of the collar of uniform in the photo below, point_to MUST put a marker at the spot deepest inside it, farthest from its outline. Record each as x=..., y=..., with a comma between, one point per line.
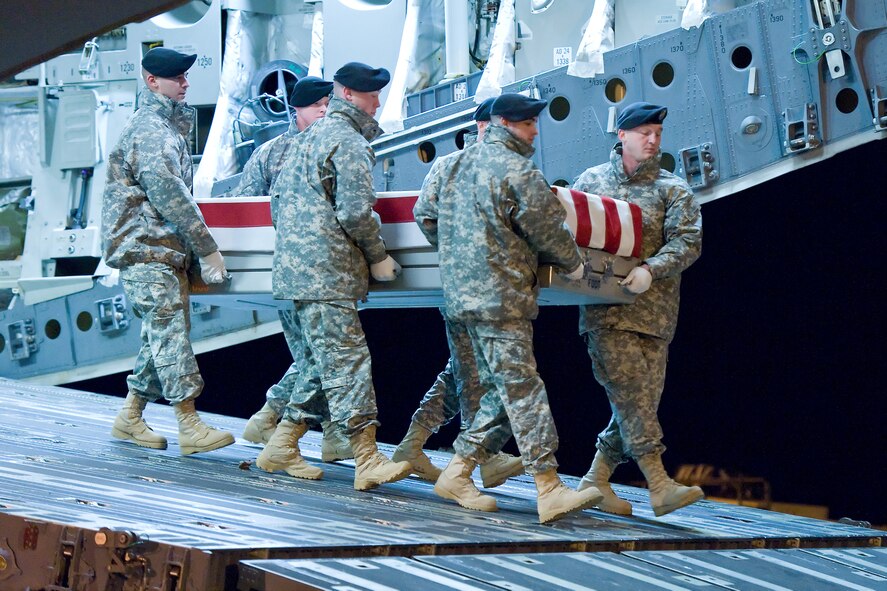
x=178, y=113
x=500, y=134
x=648, y=170
x=360, y=121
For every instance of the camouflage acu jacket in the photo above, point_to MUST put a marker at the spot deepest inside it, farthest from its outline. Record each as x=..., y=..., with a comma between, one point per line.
x=264, y=164
x=148, y=213
x=493, y=216
x=326, y=234
x=672, y=226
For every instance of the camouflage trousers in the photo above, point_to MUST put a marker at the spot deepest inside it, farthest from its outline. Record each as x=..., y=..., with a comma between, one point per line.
x=631, y=368
x=165, y=365
x=457, y=388
x=335, y=371
x=514, y=402
x=278, y=395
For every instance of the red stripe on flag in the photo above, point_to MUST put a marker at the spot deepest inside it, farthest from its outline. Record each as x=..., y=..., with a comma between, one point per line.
x=614, y=227
x=394, y=210
x=638, y=222
x=583, y=218
x=227, y=214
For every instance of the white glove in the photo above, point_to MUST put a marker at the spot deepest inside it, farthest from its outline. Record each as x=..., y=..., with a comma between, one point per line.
x=577, y=274
x=638, y=280
x=212, y=268
x=385, y=270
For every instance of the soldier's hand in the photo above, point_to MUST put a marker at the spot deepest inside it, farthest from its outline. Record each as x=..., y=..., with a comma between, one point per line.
x=638, y=280
x=385, y=270
x=212, y=268
x=577, y=274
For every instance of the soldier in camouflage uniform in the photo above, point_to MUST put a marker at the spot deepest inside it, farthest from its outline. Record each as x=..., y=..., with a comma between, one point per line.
x=152, y=227
x=492, y=218
x=628, y=343
x=457, y=389
x=327, y=246
x=310, y=98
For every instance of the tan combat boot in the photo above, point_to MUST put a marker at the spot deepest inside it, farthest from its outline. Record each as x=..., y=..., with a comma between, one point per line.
x=495, y=471
x=410, y=450
x=556, y=500
x=260, y=427
x=371, y=467
x=195, y=436
x=666, y=495
x=334, y=445
x=282, y=452
x=599, y=477
x=128, y=424
x=455, y=484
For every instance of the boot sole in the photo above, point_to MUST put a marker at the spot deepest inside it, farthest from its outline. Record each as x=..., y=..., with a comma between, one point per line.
x=394, y=478
x=501, y=481
x=271, y=467
x=444, y=493
x=417, y=471
x=614, y=511
x=602, y=505
x=258, y=440
x=688, y=500
x=118, y=434
x=425, y=476
x=193, y=449
x=554, y=516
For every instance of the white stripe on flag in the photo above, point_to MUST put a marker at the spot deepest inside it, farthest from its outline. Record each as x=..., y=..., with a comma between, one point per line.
x=598, y=216
x=566, y=200
x=626, y=244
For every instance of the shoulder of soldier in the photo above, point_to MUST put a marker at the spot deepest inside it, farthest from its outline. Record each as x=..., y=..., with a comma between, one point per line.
x=670, y=179
x=344, y=139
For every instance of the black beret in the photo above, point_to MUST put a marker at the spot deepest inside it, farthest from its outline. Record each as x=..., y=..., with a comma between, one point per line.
x=167, y=63
x=482, y=113
x=361, y=77
x=517, y=107
x=637, y=114
x=309, y=90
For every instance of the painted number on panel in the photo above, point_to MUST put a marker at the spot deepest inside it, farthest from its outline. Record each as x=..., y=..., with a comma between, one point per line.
x=562, y=56
x=460, y=91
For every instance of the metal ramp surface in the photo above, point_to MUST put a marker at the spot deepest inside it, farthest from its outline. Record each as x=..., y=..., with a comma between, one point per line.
x=77, y=505
x=681, y=570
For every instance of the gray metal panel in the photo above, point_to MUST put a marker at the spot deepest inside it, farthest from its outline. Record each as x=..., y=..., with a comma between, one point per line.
x=869, y=560
x=375, y=574
x=775, y=570
x=709, y=100
x=576, y=571
x=89, y=341
x=50, y=353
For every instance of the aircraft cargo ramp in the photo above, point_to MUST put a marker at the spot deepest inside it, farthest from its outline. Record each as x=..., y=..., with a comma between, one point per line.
x=81, y=510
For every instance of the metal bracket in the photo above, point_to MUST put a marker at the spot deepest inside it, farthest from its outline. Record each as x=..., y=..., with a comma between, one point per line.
x=67, y=564
x=200, y=308
x=88, y=57
x=699, y=166
x=112, y=315
x=22, y=339
x=118, y=544
x=879, y=108
x=801, y=128
x=608, y=269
